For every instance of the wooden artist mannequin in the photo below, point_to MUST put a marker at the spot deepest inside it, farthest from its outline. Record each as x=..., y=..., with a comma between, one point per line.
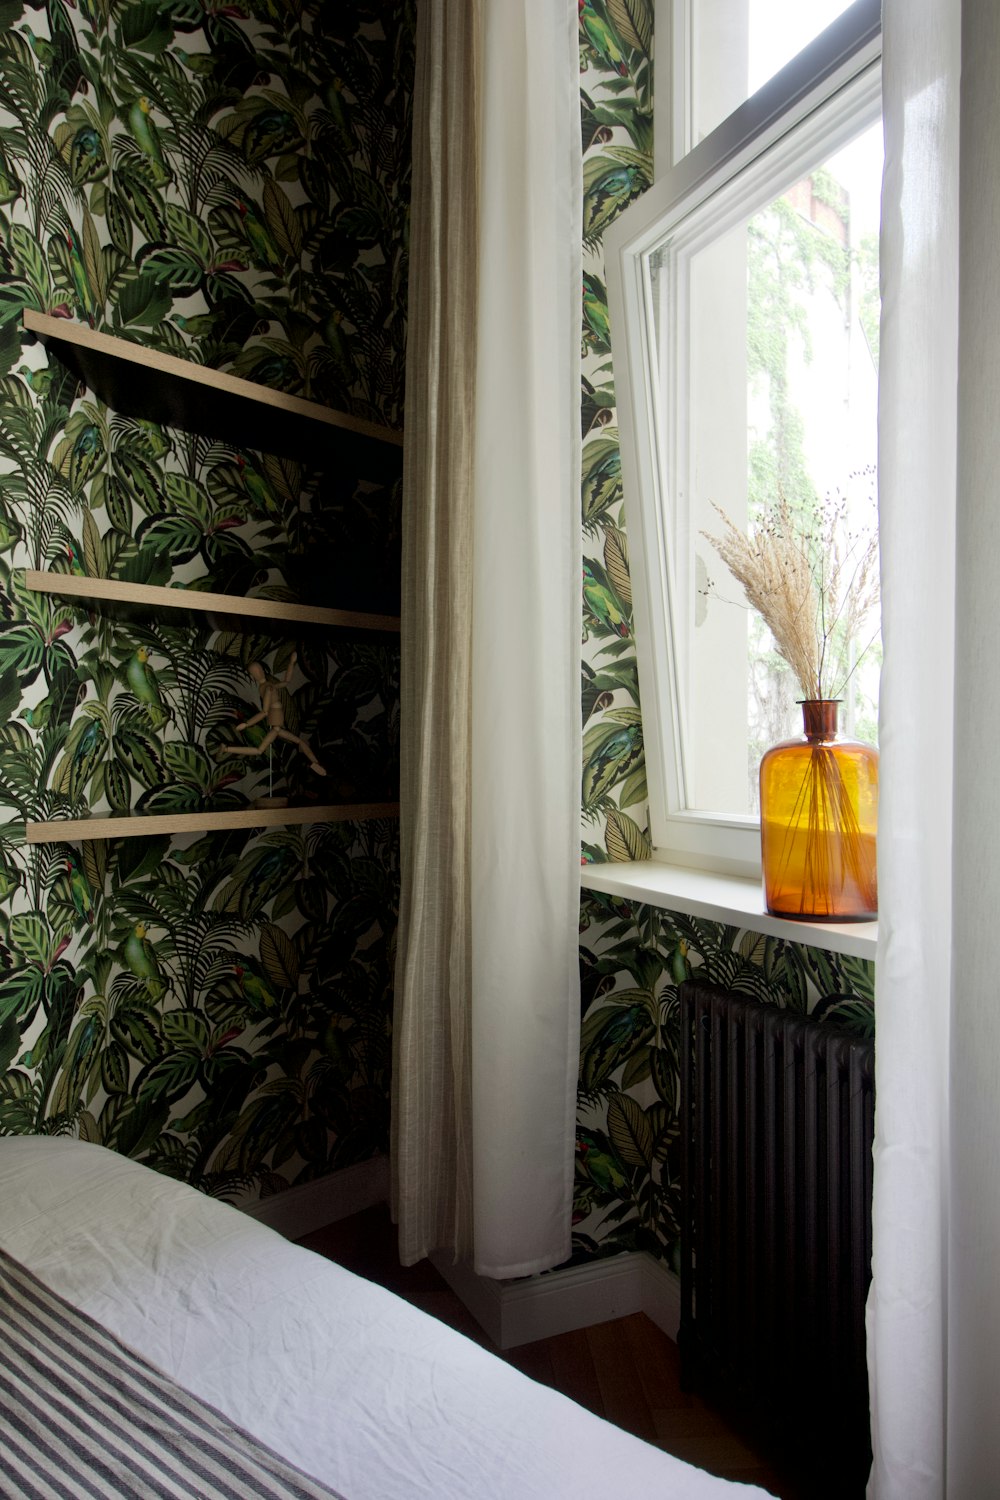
x=272, y=711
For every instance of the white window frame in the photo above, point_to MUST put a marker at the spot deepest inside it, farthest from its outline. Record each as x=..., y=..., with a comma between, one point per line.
x=824, y=95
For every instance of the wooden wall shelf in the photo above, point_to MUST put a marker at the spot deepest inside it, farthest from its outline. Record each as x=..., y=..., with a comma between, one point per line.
x=152, y=596
x=145, y=383
x=146, y=825
x=142, y=382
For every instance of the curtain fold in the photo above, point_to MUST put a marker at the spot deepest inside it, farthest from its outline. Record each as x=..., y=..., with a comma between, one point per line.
x=431, y=1147
x=973, y=1358
x=526, y=724
x=486, y=1025
x=917, y=497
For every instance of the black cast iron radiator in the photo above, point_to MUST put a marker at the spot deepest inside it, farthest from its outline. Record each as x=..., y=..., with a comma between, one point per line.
x=776, y=1132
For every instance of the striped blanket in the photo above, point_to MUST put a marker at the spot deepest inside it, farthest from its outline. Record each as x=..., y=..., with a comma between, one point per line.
x=83, y=1418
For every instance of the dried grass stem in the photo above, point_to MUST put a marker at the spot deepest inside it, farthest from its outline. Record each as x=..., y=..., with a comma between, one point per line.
x=812, y=590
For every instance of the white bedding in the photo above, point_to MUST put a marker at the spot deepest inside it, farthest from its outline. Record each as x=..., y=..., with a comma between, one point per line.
x=347, y=1381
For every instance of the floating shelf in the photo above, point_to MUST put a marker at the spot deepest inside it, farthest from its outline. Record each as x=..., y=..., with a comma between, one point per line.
x=151, y=596
x=142, y=382
x=147, y=825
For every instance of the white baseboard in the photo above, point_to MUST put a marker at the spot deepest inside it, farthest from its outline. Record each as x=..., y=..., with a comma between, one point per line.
x=312, y=1205
x=481, y=1294
x=539, y=1307
x=661, y=1295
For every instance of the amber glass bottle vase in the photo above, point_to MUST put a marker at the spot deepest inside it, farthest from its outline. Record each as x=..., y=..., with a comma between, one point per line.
x=818, y=820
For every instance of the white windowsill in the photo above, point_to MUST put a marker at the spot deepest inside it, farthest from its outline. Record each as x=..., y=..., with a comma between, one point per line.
x=723, y=898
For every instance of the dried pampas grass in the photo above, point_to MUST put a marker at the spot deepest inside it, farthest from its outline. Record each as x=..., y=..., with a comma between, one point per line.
x=813, y=586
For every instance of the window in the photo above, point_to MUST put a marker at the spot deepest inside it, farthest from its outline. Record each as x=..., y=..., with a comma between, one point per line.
x=744, y=302
x=726, y=50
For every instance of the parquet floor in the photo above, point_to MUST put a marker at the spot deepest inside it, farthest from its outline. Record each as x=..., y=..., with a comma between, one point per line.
x=626, y=1371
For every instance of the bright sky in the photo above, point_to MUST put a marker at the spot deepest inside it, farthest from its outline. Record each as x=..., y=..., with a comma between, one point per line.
x=859, y=168
x=779, y=29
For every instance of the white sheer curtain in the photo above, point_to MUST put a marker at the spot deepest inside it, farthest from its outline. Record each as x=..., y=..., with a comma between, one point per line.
x=917, y=496
x=933, y=1315
x=486, y=1028
x=917, y=445
x=973, y=1442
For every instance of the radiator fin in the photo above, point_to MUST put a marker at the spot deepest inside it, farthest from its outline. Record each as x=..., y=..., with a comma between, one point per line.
x=777, y=1116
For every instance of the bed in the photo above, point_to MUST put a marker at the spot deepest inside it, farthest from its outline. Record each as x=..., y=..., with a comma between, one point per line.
x=291, y=1354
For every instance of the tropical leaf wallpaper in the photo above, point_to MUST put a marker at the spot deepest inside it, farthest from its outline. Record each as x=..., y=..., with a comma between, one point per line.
x=616, y=95
x=230, y=185
x=633, y=957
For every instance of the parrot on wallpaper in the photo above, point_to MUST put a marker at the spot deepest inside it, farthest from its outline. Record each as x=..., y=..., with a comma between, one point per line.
x=195, y=62
x=59, y=56
x=147, y=138
x=680, y=968
x=40, y=381
x=602, y=1169
x=140, y=957
x=79, y=889
x=199, y=326
x=277, y=371
x=269, y=132
x=627, y=1027
x=40, y=46
x=603, y=604
x=142, y=680
x=81, y=286
x=259, y=995
x=617, y=756
x=40, y=713
x=38, y=716
x=609, y=469
x=265, y=251
x=268, y=875
x=82, y=1042
x=618, y=186
x=602, y=39
x=595, y=313
x=233, y=65
x=338, y=347
x=73, y=556
x=86, y=455
x=154, y=440
x=87, y=162
x=258, y=491
x=84, y=759
x=602, y=483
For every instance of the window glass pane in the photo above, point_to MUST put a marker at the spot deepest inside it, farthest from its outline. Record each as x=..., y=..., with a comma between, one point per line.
x=768, y=366
x=737, y=45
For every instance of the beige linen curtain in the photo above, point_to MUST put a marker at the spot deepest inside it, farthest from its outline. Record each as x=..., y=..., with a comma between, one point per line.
x=486, y=1025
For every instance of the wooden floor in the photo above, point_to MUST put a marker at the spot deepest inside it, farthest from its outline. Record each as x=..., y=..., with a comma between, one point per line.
x=626, y=1370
